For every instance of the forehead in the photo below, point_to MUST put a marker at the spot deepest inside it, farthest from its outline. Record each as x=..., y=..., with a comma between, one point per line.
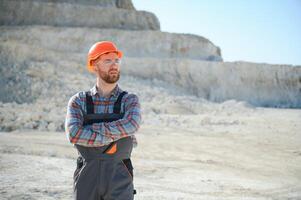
x=111, y=55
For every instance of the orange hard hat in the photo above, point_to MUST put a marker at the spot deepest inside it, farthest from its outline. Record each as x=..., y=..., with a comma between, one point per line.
x=100, y=48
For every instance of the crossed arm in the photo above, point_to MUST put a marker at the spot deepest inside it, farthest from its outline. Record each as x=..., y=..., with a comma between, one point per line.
x=99, y=134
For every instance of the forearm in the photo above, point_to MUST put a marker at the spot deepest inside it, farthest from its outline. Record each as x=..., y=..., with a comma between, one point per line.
x=127, y=126
x=85, y=136
x=117, y=129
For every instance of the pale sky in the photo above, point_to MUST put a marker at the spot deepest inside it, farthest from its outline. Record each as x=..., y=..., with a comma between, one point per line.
x=262, y=31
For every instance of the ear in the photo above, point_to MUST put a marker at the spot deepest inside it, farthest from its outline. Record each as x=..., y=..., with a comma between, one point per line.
x=94, y=66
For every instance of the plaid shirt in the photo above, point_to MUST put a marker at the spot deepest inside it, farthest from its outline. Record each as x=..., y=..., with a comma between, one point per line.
x=99, y=134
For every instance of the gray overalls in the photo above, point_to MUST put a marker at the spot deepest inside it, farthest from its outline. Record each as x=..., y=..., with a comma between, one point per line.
x=104, y=173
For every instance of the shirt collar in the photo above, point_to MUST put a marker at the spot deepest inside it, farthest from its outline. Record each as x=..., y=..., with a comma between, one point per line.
x=116, y=91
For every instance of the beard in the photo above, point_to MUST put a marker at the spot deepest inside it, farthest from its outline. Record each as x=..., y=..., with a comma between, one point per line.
x=109, y=78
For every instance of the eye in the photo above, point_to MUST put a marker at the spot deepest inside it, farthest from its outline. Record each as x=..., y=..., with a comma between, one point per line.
x=108, y=61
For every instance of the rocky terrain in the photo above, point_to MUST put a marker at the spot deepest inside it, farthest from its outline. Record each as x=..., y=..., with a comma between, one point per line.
x=44, y=46
x=228, y=150
x=240, y=149
x=113, y=14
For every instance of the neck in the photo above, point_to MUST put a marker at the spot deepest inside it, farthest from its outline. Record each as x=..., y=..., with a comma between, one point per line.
x=105, y=89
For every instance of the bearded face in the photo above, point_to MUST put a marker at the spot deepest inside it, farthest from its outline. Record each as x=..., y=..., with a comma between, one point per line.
x=107, y=67
x=111, y=76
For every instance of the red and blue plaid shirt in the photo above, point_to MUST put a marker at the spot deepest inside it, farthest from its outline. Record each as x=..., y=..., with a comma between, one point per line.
x=99, y=134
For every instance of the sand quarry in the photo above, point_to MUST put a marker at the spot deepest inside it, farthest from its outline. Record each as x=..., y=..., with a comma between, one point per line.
x=189, y=148
x=228, y=151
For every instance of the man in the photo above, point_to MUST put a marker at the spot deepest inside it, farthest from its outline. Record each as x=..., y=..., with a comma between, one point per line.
x=101, y=123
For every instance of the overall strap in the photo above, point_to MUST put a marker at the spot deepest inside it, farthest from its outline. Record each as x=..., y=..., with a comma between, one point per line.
x=117, y=104
x=89, y=103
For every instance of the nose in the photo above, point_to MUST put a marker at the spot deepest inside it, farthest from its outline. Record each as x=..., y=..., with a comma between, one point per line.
x=115, y=65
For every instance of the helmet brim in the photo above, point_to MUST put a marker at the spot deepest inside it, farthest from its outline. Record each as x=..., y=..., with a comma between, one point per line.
x=90, y=59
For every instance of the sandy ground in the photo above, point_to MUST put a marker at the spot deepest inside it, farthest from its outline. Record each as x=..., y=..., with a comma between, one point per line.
x=253, y=154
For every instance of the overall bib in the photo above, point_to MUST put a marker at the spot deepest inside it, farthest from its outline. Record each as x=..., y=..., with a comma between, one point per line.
x=104, y=173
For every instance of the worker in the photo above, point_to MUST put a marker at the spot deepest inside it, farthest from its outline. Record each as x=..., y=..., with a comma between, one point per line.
x=101, y=123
